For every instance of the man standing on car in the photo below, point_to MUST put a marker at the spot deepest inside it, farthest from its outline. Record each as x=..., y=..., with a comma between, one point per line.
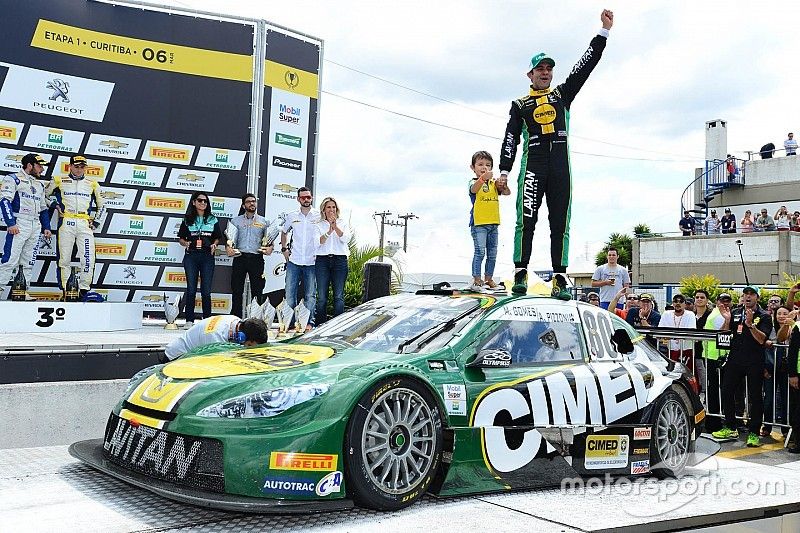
x=251, y=229
x=542, y=119
x=750, y=327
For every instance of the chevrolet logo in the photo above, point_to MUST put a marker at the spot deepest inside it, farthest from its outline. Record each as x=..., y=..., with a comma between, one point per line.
x=15, y=157
x=111, y=143
x=153, y=298
x=191, y=177
x=285, y=187
x=111, y=195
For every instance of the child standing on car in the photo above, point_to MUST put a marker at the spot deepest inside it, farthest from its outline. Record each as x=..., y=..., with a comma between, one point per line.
x=484, y=217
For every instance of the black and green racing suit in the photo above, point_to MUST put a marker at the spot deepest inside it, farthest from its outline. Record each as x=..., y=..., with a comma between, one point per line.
x=542, y=119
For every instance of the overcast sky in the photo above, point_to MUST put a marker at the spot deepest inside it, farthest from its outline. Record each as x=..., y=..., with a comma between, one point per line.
x=669, y=66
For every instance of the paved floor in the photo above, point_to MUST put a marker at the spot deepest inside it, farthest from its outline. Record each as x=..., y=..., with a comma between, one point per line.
x=44, y=489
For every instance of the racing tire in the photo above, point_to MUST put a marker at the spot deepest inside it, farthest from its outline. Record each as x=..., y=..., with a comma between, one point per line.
x=671, y=435
x=393, y=444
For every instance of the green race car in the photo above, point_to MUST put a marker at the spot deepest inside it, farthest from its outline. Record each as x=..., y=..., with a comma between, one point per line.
x=440, y=393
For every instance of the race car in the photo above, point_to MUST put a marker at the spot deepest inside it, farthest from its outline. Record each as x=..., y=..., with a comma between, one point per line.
x=440, y=393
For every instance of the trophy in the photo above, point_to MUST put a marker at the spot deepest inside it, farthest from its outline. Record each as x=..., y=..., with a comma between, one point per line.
x=285, y=314
x=302, y=315
x=232, y=232
x=254, y=311
x=273, y=231
x=171, y=311
x=267, y=313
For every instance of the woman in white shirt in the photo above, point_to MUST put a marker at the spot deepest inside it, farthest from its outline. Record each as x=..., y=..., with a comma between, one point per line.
x=331, y=263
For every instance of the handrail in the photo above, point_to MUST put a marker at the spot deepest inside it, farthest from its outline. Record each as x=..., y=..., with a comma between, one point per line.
x=715, y=177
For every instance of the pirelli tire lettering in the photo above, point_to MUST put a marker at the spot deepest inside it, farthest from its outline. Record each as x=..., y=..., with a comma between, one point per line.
x=593, y=395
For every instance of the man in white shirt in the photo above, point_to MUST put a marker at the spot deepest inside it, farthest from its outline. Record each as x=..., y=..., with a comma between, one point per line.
x=219, y=328
x=611, y=278
x=790, y=145
x=680, y=351
x=301, y=253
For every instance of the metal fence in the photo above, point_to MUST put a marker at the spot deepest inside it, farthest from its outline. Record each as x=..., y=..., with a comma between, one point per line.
x=688, y=347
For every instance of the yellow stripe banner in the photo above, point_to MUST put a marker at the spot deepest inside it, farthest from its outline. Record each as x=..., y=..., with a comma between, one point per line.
x=291, y=79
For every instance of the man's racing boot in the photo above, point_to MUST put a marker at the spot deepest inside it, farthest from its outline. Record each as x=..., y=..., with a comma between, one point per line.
x=560, y=288
x=520, y=281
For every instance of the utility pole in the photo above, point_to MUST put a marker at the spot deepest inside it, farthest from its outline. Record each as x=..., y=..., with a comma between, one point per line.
x=383, y=215
x=405, y=218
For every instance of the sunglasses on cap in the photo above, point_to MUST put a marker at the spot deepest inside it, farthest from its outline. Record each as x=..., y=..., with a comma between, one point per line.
x=678, y=300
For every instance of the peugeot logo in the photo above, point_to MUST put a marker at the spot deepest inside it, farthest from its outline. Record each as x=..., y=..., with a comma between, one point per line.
x=130, y=272
x=60, y=89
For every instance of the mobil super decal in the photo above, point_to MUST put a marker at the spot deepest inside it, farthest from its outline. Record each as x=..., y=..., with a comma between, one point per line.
x=568, y=395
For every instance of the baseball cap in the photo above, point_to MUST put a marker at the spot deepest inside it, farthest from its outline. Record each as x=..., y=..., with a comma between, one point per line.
x=727, y=209
x=679, y=298
x=724, y=296
x=34, y=158
x=646, y=296
x=751, y=288
x=78, y=160
x=540, y=57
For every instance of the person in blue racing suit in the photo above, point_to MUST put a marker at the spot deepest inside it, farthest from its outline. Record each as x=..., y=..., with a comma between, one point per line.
x=542, y=119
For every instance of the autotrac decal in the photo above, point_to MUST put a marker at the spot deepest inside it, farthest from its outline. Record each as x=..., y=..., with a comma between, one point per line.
x=247, y=361
x=156, y=393
x=570, y=395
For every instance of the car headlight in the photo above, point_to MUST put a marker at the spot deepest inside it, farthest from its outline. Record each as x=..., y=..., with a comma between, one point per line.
x=136, y=377
x=264, y=404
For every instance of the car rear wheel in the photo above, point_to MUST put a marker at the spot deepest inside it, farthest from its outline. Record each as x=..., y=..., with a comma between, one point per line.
x=672, y=433
x=393, y=444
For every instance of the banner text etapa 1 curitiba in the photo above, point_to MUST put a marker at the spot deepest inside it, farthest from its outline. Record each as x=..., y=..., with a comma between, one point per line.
x=163, y=104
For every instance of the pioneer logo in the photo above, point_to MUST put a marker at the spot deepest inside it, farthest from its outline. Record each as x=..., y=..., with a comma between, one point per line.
x=284, y=162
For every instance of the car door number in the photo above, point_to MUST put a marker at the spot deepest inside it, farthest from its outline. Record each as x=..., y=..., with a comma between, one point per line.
x=599, y=329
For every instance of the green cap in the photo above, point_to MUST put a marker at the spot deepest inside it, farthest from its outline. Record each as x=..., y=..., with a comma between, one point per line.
x=751, y=288
x=538, y=58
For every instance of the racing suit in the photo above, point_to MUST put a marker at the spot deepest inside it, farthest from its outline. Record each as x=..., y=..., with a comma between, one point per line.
x=220, y=328
x=542, y=118
x=82, y=207
x=23, y=204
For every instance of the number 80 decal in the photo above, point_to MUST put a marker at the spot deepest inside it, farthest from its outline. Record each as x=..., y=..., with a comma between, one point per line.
x=599, y=330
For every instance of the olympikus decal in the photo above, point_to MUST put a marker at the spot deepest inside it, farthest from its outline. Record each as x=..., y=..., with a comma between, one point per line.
x=597, y=394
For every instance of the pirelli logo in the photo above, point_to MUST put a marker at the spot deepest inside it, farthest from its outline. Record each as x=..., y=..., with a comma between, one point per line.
x=7, y=132
x=218, y=303
x=176, y=277
x=173, y=154
x=160, y=202
x=93, y=171
x=309, y=462
x=111, y=250
x=49, y=296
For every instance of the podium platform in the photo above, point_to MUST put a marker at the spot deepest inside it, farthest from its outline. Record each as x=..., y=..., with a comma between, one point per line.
x=65, y=317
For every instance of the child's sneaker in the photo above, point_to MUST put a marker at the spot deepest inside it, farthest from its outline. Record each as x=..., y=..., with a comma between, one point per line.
x=560, y=288
x=476, y=286
x=490, y=284
x=520, y=281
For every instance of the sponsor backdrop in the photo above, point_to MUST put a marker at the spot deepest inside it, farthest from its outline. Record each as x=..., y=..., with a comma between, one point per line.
x=162, y=105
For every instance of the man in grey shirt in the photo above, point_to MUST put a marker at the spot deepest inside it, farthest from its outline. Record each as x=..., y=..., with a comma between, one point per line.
x=611, y=278
x=251, y=229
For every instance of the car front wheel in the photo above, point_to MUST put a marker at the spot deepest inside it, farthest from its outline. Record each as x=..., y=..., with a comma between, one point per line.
x=393, y=444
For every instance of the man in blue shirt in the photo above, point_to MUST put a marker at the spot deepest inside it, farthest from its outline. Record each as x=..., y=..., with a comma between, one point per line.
x=251, y=230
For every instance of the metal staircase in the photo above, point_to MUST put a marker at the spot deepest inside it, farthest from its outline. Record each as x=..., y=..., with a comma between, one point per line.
x=715, y=180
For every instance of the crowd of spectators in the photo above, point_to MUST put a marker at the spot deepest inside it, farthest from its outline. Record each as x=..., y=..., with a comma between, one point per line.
x=782, y=220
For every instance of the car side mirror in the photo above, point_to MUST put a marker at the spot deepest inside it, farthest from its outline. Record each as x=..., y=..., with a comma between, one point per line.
x=622, y=341
x=491, y=358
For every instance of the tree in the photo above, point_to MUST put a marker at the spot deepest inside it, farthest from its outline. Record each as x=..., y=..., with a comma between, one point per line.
x=624, y=245
x=643, y=230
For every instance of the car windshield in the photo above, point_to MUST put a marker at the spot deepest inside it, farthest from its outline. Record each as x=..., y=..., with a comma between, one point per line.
x=383, y=325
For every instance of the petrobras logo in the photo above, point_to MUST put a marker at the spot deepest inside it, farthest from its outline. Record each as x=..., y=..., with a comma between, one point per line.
x=47, y=138
x=168, y=152
x=54, y=93
x=162, y=203
x=289, y=113
x=224, y=207
x=192, y=180
x=285, y=162
x=138, y=225
x=118, y=147
x=222, y=158
x=288, y=140
x=218, y=204
x=159, y=252
x=9, y=131
x=139, y=175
